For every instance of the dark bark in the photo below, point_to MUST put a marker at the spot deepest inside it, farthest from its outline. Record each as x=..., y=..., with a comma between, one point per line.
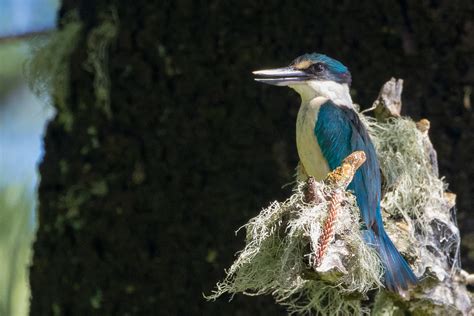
x=137, y=211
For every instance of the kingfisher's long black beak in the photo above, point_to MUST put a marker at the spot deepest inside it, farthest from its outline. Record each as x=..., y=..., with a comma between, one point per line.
x=281, y=76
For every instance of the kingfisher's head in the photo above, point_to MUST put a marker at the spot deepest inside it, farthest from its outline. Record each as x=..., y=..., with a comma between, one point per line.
x=312, y=75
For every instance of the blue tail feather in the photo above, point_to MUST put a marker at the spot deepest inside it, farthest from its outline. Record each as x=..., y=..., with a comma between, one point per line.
x=398, y=274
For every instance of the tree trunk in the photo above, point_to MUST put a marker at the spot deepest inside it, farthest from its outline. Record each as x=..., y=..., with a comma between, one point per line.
x=138, y=204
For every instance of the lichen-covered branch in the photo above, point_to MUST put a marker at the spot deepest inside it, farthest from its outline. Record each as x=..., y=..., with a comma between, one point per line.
x=342, y=176
x=317, y=224
x=339, y=179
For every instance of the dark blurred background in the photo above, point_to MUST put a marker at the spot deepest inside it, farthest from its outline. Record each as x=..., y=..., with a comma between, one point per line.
x=226, y=145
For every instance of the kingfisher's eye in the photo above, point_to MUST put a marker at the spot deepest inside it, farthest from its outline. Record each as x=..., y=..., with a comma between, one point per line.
x=316, y=68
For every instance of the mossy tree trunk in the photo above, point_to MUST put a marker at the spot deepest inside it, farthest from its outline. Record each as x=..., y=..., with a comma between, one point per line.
x=139, y=201
x=138, y=208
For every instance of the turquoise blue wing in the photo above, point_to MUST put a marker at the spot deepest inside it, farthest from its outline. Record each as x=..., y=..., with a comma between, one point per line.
x=340, y=132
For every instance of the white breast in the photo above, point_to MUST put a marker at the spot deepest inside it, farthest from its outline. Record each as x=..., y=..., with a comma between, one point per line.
x=309, y=151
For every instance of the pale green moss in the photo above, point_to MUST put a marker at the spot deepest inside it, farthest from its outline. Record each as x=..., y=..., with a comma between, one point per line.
x=96, y=300
x=48, y=69
x=98, y=43
x=279, y=253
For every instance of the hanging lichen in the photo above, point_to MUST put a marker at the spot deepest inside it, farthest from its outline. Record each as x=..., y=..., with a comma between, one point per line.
x=279, y=254
x=98, y=43
x=48, y=69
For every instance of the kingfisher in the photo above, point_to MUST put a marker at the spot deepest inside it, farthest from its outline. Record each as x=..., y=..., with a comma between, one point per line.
x=328, y=129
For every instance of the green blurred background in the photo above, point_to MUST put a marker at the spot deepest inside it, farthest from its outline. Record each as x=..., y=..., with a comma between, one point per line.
x=22, y=119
